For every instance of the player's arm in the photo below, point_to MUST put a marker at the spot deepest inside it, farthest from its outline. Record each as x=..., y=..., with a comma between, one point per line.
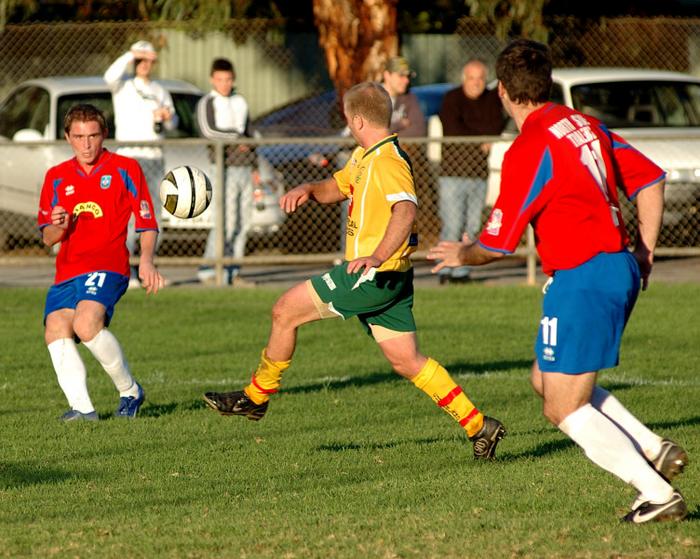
x=403, y=214
x=451, y=254
x=56, y=231
x=650, y=210
x=324, y=192
x=148, y=273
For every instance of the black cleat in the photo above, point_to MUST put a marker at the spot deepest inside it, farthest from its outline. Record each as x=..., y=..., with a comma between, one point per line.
x=235, y=403
x=674, y=509
x=485, y=441
x=670, y=461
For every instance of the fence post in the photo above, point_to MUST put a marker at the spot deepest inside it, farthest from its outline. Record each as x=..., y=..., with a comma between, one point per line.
x=220, y=216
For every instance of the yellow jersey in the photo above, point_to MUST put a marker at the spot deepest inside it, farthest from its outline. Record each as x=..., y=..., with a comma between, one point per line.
x=375, y=179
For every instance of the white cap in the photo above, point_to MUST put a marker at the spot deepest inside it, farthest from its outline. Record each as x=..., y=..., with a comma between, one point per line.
x=143, y=46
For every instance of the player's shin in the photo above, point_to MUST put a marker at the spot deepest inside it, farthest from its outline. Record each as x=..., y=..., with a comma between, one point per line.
x=266, y=379
x=608, y=447
x=71, y=374
x=106, y=349
x=437, y=383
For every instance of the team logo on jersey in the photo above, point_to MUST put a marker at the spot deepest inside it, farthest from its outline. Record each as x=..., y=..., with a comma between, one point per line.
x=105, y=181
x=145, y=211
x=548, y=354
x=88, y=207
x=493, y=227
x=70, y=189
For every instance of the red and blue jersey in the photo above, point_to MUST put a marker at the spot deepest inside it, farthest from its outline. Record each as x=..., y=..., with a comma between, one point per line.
x=100, y=204
x=562, y=174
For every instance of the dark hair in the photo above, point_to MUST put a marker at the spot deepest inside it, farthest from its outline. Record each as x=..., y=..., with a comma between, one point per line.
x=222, y=65
x=84, y=113
x=371, y=101
x=524, y=68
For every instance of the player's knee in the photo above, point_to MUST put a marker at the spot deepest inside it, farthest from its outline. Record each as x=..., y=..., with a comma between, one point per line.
x=86, y=329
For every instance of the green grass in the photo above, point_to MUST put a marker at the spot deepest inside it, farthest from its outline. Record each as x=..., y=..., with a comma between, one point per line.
x=351, y=461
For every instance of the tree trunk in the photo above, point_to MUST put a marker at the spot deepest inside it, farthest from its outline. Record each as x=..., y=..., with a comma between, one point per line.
x=358, y=37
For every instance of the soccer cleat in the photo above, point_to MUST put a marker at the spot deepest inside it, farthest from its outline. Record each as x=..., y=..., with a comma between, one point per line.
x=235, y=403
x=75, y=415
x=130, y=406
x=485, y=441
x=674, y=509
x=670, y=461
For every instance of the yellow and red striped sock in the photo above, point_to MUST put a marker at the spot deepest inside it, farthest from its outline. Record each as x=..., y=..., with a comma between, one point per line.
x=266, y=379
x=437, y=383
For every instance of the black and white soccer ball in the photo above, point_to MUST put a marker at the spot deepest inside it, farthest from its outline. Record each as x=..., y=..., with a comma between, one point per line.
x=185, y=191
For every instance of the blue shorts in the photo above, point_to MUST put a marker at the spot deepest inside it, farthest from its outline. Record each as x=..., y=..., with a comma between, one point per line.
x=104, y=287
x=584, y=312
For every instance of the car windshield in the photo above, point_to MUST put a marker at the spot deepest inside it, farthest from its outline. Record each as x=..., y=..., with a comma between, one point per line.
x=640, y=104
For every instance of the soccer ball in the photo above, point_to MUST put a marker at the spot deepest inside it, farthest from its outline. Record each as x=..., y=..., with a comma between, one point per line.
x=185, y=192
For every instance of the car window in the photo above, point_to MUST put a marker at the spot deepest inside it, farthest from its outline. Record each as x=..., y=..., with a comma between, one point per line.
x=27, y=107
x=640, y=104
x=102, y=101
x=186, y=109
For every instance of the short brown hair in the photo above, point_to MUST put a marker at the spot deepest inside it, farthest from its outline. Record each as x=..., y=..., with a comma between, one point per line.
x=371, y=101
x=222, y=65
x=84, y=113
x=524, y=68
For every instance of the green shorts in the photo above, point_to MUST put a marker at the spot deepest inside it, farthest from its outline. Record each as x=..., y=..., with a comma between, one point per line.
x=386, y=300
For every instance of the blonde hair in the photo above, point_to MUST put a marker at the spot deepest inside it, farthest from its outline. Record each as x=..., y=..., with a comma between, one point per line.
x=369, y=100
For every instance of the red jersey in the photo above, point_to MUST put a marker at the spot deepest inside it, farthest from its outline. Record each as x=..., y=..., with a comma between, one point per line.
x=100, y=204
x=562, y=174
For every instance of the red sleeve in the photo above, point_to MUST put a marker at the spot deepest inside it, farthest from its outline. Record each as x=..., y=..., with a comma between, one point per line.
x=634, y=169
x=48, y=199
x=141, y=204
x=523, y=179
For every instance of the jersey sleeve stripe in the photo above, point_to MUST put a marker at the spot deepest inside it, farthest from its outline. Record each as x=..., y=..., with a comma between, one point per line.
x=633, y=195
x=130, y=186
x=545, y=172
x=493, y=249
x=402, y=196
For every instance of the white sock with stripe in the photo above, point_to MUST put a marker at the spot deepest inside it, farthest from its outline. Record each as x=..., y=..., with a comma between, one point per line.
x=106, y=349
x=608, y=447
x=71, y=374
x=648, y=441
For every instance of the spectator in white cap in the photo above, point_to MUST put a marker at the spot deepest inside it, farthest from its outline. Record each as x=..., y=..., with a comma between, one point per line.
x=143, y=112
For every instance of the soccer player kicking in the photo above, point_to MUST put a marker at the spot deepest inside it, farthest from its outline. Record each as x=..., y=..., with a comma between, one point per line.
x=561, y=174
x=375, y=283
x=85, y=205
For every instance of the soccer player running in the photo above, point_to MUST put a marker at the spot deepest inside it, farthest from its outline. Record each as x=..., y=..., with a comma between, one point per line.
x=375, y=283
x=85, y=205
x=561, y=174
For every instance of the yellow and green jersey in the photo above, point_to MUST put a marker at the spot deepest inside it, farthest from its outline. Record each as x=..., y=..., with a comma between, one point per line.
x=375, y=179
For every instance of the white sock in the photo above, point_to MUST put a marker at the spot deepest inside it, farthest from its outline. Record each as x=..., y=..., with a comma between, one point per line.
x=647, y=441
x=608, y=447
x=71, y=374
x=106, y=349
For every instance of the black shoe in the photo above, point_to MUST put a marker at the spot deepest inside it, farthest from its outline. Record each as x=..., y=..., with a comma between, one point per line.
x=485, y=441
x=674, y=509
x=235, y=403
x=671, y=460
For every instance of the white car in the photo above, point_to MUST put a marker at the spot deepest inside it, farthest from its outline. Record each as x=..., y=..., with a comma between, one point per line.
x=658, y=112
x=31, y=117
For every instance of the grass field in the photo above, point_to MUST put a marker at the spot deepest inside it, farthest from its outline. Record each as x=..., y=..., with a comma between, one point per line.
x=351, y=461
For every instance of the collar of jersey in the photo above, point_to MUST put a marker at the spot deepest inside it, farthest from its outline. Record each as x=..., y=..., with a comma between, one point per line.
x=537, y=113
x=100, y=161
x=379, y=144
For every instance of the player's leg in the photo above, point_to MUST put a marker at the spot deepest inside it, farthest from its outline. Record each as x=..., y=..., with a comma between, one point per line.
x=98, y=294
x=667, y=457
x=299, y=305
x=394, y=331
x=567, y=405
x=67, y=363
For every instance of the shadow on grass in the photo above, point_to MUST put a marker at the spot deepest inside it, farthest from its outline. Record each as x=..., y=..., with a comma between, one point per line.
x=13, y=476
x=660, y=425
x=543, y=449
x=159, y=410
x=342, y=447
x=694, y=515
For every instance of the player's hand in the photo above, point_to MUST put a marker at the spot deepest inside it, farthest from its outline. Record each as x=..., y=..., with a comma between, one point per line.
x=447, y=254
x=645, y=259
x=150, y=278
x=60, y=217
x=366, y=262
x=295, y=198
